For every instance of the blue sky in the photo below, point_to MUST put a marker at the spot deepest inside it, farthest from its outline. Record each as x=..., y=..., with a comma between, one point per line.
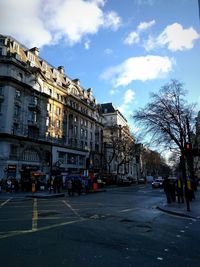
x=123, y=49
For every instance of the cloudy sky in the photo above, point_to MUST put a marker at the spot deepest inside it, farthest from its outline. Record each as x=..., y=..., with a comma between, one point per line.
x=123, y=49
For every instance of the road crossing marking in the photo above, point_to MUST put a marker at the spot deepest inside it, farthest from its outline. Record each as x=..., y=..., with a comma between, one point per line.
x=70, y=207
x=5, y=202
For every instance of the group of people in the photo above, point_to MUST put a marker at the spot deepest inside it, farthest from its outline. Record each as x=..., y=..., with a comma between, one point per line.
x=175, y=189
x=9, y=185
x=78, y=186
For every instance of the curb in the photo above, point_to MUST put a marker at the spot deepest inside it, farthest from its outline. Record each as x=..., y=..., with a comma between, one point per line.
x=45, y=195
x=97, y=191
x=176, y=213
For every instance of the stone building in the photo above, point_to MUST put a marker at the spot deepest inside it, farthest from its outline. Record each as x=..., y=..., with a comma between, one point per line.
x=48, y=121
x=119, y=149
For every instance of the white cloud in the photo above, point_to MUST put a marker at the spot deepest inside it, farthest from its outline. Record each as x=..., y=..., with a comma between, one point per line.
x=108, y=51
x=129, y=96
x=138, y=68
x=87, y=45
x=42, y=22
x=175, y=37
x=134, y=36
x=126, y=107
x=112, y=20
x=143, y=26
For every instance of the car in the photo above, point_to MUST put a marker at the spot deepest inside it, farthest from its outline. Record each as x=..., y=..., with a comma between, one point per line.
x=100, y=183
x=133, y=180
x=157, y=183
x=141, y=181
x=123, y=182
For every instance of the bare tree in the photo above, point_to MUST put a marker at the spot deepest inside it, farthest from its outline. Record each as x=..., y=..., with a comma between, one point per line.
x=167, y=118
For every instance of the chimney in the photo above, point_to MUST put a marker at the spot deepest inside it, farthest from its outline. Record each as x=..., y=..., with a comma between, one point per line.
x=35, y=50
x=61, y=70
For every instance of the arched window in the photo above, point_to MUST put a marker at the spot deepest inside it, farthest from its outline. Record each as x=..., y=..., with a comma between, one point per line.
x=30, y=155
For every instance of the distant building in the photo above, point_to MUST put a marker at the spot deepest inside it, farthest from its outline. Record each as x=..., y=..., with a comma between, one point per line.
x=48, y=122
x=119, y=149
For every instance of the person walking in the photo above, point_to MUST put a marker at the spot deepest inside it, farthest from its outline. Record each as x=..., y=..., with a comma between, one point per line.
x=166, y=186
x=180, y=191
x=69, y=187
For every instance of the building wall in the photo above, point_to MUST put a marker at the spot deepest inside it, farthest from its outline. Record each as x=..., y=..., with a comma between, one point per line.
x=47, y=120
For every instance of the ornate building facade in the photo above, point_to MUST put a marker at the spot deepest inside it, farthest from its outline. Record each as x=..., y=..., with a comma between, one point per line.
x=119, y=144
x=48, y=121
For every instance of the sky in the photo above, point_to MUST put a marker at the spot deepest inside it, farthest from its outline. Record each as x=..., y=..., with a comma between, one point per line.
x=122, y=49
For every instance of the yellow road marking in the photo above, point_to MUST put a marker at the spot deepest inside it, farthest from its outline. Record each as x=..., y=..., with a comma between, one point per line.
x=16, y=233
x=35, y=215
x=5, y=202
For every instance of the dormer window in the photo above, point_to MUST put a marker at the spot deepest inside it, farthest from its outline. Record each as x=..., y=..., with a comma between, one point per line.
x=16, y=47
x=31, y=57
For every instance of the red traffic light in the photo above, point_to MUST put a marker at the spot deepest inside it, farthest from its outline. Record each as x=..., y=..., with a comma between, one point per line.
x=188, y=146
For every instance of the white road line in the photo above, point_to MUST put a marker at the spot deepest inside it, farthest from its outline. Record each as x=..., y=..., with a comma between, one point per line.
x=70, y=207
x=5, y=202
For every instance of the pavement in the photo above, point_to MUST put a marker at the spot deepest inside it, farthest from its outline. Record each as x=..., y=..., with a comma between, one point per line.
x=180, y=209
x=41, y=194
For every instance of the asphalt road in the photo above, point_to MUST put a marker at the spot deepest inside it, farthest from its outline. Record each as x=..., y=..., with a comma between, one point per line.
x=119, y=227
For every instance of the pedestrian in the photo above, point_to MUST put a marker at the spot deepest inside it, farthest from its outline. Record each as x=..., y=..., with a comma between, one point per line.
x=172, y=189
x=180, y=191
x=166, y=187
x=79, y=186
x=69, y=187
x=188, y=190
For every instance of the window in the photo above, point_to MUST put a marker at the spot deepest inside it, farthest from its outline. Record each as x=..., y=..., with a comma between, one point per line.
x=50, y=91
x=16, y=46
x=35, y=100
x=33, y=116
x=82, y=132
x=47, y=121
x=20, y=76
x=31, y=57
x=72, y=159
x=17, y=94
x=30, y=155
x=17, y=111
x=62, y=156
x=58, y=110
x=48, y=107
x=58, y=123
x=75, y=130
x=13, y=151
x=1, y=51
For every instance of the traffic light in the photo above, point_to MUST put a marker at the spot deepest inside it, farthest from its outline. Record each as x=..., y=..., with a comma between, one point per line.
x=188, y=148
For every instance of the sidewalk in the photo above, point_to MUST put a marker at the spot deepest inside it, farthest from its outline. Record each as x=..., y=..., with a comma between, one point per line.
x=180, y=209
x=41, y=194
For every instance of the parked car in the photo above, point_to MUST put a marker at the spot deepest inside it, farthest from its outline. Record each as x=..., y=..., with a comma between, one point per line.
x=123, y=182
x=100, y=183
x=141, y=180
x=133, y=180
x=157, y=183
